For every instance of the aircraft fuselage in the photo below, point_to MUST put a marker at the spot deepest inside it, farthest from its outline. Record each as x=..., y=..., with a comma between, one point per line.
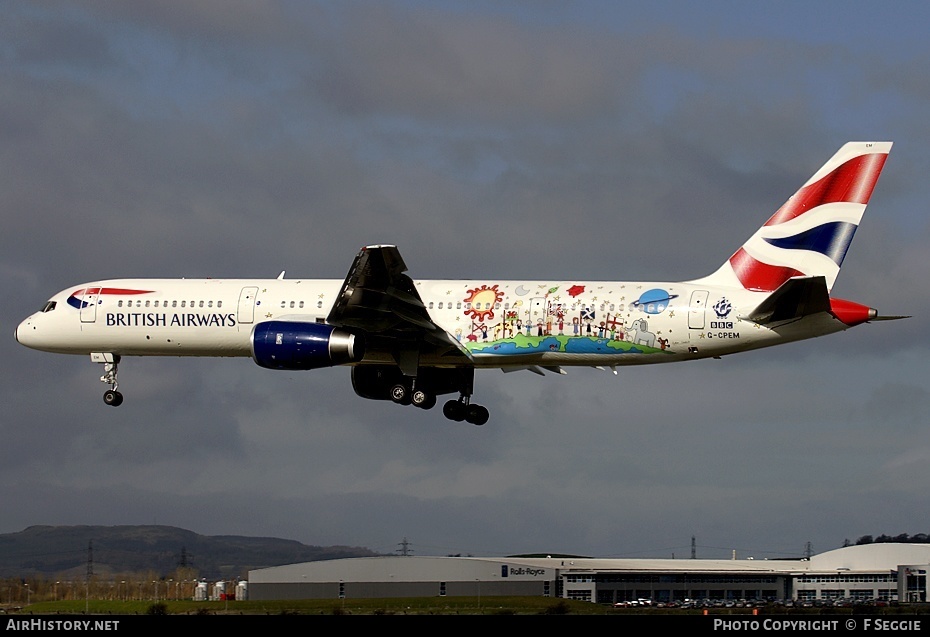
x=500, y=323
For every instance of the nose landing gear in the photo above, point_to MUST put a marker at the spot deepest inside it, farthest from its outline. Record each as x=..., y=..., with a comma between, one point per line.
x=112, y=396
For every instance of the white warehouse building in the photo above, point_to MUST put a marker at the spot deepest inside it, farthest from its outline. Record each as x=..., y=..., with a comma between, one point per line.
x=872, y=571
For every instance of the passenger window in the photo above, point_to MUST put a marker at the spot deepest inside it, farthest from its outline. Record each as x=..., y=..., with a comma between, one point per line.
x=120, y=303
x=201, y=304
x=209, y=303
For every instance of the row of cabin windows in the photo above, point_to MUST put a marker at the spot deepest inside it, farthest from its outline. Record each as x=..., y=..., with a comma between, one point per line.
x=458, y=305
x=157, y=303
x=175, y=304
x=298, y=304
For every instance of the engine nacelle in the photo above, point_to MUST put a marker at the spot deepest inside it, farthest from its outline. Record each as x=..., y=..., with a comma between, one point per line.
x=298, y=346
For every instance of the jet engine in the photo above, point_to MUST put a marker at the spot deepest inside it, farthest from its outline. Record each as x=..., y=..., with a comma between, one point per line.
x=298, y=346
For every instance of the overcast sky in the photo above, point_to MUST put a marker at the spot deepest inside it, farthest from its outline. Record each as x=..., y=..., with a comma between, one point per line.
x=488, y=140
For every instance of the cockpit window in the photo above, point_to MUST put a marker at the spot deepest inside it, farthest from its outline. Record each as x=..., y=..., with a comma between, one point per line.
x=49, y=306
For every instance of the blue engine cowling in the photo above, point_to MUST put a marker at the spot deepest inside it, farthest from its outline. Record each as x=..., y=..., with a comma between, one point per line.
x=297, y=346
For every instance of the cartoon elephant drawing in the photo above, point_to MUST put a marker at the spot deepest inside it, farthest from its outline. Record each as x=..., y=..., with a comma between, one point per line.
x=641, y=333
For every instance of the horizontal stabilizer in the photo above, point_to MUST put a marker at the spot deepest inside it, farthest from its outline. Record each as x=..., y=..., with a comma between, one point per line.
x=796, y=297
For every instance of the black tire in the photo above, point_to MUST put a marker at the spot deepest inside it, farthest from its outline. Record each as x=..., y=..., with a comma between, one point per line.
x=454, y=410
x=112, y=398
x=477, y=415
x=423, y=399
x=400, y=394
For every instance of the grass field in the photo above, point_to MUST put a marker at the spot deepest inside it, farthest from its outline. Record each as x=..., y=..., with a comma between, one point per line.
x=393, y=606
x=411, y=606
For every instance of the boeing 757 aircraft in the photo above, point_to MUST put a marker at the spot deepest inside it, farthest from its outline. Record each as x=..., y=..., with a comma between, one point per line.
x=411, y=341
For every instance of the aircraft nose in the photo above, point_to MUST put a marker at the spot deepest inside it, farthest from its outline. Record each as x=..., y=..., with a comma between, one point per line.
x=23, y=332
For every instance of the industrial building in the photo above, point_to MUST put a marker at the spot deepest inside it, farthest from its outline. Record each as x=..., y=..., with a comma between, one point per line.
x=866, y=572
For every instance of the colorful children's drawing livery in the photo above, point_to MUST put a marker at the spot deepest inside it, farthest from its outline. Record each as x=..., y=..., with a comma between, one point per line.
x=410, y=342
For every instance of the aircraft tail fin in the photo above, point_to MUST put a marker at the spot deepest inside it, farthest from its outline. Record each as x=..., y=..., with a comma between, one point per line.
x=810, y=234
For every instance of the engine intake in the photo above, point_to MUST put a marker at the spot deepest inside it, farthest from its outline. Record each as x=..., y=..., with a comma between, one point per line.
x=298, y=346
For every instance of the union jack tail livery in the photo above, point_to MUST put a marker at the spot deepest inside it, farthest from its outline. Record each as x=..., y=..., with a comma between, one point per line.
x=810, y=234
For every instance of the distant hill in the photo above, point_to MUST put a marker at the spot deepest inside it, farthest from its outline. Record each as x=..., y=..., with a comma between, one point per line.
x=62, y=551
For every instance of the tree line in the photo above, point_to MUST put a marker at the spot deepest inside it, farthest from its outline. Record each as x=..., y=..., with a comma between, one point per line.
x=903, y=538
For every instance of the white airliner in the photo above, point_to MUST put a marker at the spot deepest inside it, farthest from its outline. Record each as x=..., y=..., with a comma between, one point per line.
x=411, y=341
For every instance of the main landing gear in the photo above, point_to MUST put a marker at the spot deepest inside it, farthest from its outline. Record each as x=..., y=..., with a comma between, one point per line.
x=406, y=393
x=387, y=382
x=112, y=396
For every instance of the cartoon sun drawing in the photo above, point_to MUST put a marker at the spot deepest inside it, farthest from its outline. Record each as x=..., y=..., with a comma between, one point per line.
x=482, y=302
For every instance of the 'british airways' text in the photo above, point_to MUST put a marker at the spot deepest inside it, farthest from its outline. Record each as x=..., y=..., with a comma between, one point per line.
x=156, y=319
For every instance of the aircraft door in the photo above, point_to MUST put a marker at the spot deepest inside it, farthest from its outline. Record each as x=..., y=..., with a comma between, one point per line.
x=89, y=305
x=538, y=312
x=246, y=311
x=696, y=309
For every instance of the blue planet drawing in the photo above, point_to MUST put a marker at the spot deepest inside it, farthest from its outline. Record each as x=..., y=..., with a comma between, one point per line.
x=654, y=301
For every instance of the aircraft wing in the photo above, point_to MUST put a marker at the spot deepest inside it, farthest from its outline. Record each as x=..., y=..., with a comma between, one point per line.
x=382, y=302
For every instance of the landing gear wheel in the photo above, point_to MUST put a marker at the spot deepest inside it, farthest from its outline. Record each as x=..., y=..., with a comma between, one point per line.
x=423, y=399
x=454, y=410
x=400, y=394
x=111, y=397
x=477, y=415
